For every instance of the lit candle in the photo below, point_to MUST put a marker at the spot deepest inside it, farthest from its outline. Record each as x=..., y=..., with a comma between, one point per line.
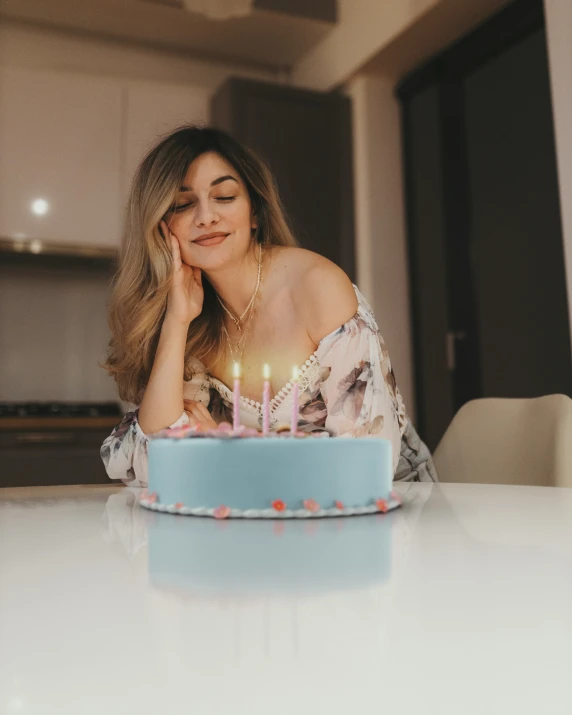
x=236, y=397
x=294, y=423
x=266, y=400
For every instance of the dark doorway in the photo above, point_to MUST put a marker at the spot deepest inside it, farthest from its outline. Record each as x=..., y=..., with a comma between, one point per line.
x=489, y=293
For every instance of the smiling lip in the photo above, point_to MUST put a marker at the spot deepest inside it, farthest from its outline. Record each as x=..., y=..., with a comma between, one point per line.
x=211, y=239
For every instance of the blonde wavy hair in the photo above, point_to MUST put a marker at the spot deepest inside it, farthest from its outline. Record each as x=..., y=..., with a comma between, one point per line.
x=140, y=287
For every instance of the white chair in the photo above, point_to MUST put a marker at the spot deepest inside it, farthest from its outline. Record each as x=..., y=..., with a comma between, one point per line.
x=509, y=441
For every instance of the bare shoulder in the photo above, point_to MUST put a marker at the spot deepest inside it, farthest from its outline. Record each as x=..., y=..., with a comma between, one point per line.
x=322, y=293
x=293, y=260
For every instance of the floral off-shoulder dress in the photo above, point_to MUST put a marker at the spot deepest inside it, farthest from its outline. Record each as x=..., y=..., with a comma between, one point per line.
x=346, y=388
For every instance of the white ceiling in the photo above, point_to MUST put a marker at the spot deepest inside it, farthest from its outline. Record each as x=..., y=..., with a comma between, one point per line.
x=275, y=40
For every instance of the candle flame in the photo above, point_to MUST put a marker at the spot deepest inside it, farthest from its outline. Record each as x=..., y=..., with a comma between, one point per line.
x=266, y=371
x=295, y=374
x=236, y=370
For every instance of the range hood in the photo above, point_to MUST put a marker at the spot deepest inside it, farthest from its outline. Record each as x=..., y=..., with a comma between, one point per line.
x=34, y=251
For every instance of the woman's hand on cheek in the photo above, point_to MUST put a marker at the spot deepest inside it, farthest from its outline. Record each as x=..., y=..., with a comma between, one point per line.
x=186, y=295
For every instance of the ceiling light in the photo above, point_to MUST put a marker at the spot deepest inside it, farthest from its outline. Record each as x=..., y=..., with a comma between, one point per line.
x=40, y=207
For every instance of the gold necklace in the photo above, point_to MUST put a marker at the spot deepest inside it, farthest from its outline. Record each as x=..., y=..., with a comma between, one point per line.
x=237, y=320
x=237, y=353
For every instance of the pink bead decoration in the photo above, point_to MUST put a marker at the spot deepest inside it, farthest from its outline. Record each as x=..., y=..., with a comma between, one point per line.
x=179, y=505
x=311, y=505
x=236, y=398
x=295, y=399
x=152, y=497
x=278, y=505
x=381, y=504
x=250, y=432
x=266, y=401
x=339, y=505
x=221, y=512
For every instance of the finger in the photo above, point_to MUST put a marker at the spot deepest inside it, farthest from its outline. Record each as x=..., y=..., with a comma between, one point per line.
x=203, y=410
x=197, y=414
x=202, y=414
x=192, y=419
x=163, y=229
x=188, y=407
x=198, y=409
x=172, y=243
x=175, y=252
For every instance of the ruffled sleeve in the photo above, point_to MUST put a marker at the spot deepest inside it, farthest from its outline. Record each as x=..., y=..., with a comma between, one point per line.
x=124, y=452
x=360, y=393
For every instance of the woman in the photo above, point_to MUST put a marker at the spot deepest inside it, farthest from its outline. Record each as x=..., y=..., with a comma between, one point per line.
x=210, y=275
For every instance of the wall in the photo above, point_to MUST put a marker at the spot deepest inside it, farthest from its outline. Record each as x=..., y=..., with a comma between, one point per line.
x=53, y=333
x=559, y=33
x=364, y=27
x=160, y=89
x=382, y=267
x=23, y=45
x=53, y=326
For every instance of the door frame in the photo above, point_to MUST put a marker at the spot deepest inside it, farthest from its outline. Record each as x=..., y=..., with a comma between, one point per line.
x=447, y=71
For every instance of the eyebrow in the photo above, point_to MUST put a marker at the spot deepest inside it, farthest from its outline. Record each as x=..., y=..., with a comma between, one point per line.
x=213, y=183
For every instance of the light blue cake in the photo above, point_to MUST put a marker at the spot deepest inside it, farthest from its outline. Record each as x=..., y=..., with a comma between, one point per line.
x=269, y=477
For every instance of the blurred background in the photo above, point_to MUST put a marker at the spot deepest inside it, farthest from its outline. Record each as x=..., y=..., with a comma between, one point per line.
x=423, y=145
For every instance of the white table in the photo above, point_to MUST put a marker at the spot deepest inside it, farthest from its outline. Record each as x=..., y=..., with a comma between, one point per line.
x=471, y=613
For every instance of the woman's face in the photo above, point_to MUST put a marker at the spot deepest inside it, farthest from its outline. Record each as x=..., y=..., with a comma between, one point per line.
x=212, y=219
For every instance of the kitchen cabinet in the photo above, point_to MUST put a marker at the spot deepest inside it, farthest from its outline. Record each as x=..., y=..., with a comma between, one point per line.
x=306, y=139
x=69, y=146
x=153, y=110
x=49, y=456
x=49, y=443
x=60, y=157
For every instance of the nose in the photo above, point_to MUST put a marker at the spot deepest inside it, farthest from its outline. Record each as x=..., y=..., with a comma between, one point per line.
x=205, y=216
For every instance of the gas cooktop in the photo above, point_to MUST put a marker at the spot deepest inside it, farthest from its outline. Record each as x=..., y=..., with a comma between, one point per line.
x=59, y=409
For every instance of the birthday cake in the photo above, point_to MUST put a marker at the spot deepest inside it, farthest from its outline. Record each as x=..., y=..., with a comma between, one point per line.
x=241, y=474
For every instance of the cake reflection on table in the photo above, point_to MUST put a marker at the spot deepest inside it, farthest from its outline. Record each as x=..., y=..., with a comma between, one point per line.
x=202, y=557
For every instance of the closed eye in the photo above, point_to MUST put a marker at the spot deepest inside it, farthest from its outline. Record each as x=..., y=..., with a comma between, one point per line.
x=182, y=207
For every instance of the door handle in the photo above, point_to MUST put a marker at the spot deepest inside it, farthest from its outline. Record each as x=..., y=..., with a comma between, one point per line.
x=45, y=438
x=451, y=340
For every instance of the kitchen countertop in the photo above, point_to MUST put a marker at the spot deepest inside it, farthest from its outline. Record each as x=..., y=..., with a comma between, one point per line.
x=459, y=602
x=58, y=423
